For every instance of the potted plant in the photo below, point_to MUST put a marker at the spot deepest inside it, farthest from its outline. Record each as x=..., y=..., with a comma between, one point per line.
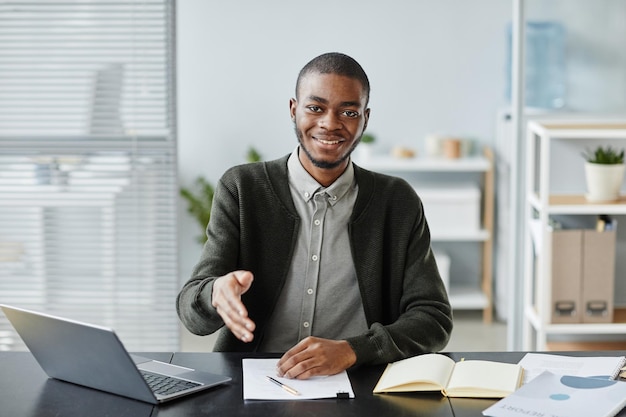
x=364, y=149
x=199, y=202
x=604, y=170
x=368, y=138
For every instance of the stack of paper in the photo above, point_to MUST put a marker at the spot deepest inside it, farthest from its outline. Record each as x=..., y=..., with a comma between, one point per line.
x=563, y=395
x=590, y=366
x=573, y=386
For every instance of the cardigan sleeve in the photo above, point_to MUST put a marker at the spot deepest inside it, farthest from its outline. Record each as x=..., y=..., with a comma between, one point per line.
x=218, y=257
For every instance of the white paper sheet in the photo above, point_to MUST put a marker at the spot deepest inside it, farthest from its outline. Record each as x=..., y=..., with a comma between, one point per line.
x=257, y=387
x=536, y=363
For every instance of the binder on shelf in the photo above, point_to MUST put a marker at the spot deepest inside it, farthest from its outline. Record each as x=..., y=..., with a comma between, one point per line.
x=583, y=274
x=567, y=276
x=598, y=276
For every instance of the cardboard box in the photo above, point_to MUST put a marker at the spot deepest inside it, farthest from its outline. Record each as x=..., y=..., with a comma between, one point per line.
x=566, y=276
x=598, y=276
x=451, y=208
x=583, y=276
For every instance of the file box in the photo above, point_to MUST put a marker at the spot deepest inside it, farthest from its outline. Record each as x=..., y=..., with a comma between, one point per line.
x=451, y=209
x=583, y=276
x=566, y=272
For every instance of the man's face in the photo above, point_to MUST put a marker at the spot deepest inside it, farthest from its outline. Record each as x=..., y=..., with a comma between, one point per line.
x=329, y=118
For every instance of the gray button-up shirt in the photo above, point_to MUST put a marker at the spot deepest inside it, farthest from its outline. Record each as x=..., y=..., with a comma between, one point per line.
x=321, y=295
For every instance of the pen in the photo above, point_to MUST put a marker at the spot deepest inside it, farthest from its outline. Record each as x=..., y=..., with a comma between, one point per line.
x=283, y=386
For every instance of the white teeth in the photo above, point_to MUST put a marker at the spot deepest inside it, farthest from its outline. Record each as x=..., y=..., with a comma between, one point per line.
x=329, y=142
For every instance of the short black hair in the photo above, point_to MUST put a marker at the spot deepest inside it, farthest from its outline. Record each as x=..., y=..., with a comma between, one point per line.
x=339, y=64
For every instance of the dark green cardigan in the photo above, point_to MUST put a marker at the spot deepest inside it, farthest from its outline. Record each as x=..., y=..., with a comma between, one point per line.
x=254, y=226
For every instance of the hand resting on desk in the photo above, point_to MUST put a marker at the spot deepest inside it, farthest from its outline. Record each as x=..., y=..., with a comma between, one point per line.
x=314, y=356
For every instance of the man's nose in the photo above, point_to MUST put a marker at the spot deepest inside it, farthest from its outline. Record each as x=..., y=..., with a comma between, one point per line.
x=330, y=121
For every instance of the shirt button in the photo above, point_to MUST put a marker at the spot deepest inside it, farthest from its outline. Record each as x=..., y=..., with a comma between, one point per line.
x=306, y=195
x=317, y=222
x=309, y=291
x=314, y=257
x=333, y=197
x=306, y=324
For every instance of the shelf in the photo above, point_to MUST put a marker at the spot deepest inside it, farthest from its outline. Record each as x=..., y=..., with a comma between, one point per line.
x=577, y=204
x=456, y=236
x=467, y=298
x=617, y=327
x=390, y=163
x=558, y=346
x=583, y=129
x=539, y=266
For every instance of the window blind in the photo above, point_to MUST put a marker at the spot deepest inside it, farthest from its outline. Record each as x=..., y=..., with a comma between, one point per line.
x=88, y=178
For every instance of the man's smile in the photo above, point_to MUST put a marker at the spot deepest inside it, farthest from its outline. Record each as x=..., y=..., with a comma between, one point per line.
x=328, y=141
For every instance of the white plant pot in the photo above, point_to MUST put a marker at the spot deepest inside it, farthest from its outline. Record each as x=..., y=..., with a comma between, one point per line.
x=604, y=181
x=363, y=151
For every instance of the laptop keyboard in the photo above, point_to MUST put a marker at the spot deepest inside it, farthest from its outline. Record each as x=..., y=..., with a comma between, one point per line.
x=166, y=385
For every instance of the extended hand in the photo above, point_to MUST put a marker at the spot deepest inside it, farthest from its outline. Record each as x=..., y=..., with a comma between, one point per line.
x=226, y=299
x=314, y=356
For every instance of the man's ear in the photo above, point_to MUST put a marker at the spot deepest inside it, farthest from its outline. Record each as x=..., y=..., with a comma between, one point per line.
x=293, y=103
x=367, y=118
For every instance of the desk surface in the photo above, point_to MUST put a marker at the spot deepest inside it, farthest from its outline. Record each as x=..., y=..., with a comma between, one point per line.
x=25, y=390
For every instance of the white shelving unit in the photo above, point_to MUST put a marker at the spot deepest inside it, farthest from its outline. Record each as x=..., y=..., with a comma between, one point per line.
x=462, y=297
x=541, y=204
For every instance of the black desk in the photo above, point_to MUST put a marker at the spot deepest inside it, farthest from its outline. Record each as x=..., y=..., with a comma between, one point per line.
x=25, y=390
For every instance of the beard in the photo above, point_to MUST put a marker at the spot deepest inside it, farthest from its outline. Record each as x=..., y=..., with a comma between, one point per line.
x=318, y=162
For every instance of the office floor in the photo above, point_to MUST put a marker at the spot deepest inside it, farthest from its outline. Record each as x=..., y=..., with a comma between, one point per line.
x=470, y=334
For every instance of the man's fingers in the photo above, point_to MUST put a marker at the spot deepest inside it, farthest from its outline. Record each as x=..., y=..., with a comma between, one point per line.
x=316, y=356
x=226, y=299
x=240, y=325
x=244, y=278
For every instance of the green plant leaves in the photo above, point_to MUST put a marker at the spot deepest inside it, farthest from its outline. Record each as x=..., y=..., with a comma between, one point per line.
x=200, y=197
x=368, y=138
x=199, y=203
x=604, y=155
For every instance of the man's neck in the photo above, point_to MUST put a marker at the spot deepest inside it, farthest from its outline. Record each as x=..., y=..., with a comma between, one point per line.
x=324, y=176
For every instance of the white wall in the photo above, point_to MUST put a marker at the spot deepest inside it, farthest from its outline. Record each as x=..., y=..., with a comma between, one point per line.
x=435, y=66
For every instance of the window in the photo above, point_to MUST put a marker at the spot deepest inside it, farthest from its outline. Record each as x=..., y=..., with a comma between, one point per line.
x=88, y=181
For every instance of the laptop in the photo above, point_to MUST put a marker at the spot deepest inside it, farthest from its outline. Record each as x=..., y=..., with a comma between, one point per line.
x=94, y=357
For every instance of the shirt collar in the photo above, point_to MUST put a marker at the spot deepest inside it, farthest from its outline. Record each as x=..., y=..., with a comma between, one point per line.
x=307, y=186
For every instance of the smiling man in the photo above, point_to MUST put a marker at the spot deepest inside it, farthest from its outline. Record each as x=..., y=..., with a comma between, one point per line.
x=314, y=257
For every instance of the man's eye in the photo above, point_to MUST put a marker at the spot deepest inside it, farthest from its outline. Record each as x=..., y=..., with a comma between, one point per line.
x=315, y=109
x=351, y=113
